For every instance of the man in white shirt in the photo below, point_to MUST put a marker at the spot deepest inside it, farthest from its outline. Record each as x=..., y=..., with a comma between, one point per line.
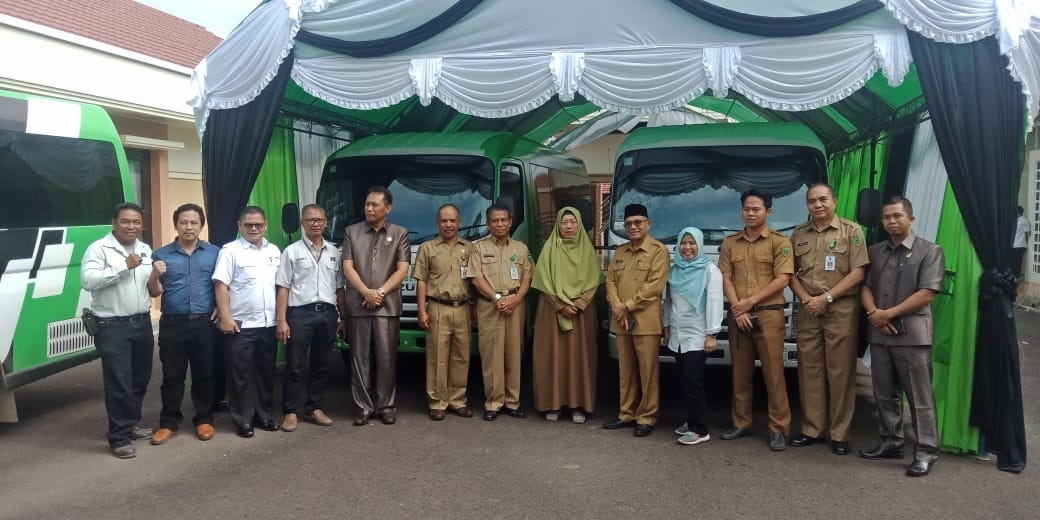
x=307, y=281
x=122, y=280
x=1021, y=243
x=245, y=294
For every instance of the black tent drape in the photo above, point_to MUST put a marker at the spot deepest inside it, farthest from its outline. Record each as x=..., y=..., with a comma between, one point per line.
x=384, y=46
x=978, y=114
x=233, y=149
x=776, y=26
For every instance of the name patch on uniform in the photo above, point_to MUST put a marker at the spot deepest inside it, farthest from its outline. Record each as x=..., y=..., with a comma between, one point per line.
x=800, y=244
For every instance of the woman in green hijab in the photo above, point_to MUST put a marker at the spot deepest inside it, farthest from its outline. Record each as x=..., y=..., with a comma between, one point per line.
x=564, y=353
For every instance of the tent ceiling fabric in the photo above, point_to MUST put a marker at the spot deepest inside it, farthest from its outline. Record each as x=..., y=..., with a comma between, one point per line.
x=630, y=57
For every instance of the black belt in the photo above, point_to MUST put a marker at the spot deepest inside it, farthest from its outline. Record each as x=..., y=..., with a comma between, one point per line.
x=183, y=317
x=133, y=318
x=774, y=307
x=502, y=293
x=445, y=301
x=315, y=307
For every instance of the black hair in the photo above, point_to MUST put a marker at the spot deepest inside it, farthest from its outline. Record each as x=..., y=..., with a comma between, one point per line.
x=903, y=201
x=189, y=207
x=313, y=206
x=252, y=210
x=388, y=197
x=1021, y=210
x=825, y=185
x=498, y=206
x=125, y=206
x=767, y=199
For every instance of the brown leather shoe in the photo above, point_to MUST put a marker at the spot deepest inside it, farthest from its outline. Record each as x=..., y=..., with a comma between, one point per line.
x=437, y=415
x=389, y=417
x=462, y=411
x=320, y=418
x=162, y=436
x=290, y=422
x=204, y=432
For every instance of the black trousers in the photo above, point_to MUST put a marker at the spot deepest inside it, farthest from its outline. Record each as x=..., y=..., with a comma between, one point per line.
x=311, y=334
x=1017, y=256
x=126, y=367
x=691, y=373
x=186, y=341
x=220, y=371
x=250, y=360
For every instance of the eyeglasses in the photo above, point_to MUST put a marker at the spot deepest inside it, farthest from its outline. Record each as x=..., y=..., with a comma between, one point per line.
x=635, y=223
x=254, y=225
x=314, y=221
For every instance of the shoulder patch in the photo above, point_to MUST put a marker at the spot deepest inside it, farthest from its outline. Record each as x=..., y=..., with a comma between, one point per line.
x=786, y=250
x=857, y=241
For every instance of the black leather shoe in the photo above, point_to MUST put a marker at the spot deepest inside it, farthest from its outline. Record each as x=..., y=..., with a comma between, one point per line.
x=735, y=433
x=490, y=415
x=919, y=468
x=516, y=413
x=882, y=451
x=361, y=419
x=643, y=430
x=802, y=440
x=245, y=431
x=618, y=423
x=838, y=447
x=777, y=442
x=269, y=425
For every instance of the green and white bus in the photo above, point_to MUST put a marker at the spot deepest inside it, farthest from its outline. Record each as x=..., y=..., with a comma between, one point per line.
x=468, y=169
x=62, y=170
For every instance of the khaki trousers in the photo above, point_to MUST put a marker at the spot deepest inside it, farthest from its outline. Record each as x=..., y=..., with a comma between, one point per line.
x=447, y=356
x=768, y=345
x=827, y=368
x=500, y=341
x=639, y=368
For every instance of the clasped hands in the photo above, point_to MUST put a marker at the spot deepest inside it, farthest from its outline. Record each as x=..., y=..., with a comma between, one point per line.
x=881, y=319
x=373, y=298
x=741, y=313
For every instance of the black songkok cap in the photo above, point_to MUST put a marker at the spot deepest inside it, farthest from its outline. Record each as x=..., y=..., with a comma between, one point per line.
x=636, y=210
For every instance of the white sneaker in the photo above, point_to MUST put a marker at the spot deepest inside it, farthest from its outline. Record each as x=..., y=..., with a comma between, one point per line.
x=682, y=430
x=578, y=417
x=552, y=416
x=691, y=438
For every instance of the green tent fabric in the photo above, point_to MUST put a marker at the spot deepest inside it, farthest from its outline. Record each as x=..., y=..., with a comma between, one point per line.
x=953, y=353
x=277, y=178
x=849, y=173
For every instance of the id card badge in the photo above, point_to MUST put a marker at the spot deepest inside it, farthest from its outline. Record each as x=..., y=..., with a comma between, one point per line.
x=463, y=271
x=829, y=263
x=514, y=272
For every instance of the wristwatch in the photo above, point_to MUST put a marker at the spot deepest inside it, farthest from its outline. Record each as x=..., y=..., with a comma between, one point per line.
x=498, y=297
x=830, y=299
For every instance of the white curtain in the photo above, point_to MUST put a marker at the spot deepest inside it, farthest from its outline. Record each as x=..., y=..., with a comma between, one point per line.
x=926, y=181
x=314, y=144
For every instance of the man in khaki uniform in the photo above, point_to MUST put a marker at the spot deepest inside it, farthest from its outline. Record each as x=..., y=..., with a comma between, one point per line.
x=635, y=282
x=501, y=269
x=443, y=297
x=756, y=265
x=830, y=256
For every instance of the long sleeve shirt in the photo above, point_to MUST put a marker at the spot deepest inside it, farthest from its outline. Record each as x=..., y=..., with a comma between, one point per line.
x=116, y=290
x=688, y=327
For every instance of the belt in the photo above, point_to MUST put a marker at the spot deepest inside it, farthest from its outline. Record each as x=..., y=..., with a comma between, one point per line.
x=445, y=301
x=774, y=307
x=503, y=293
x=133, y=318
x=315, y=307
x=183, y=317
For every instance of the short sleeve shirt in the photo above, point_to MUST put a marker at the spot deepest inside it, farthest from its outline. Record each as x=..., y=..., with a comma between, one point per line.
x=496, y=262
x=752, y=265
x=310, y=273
x=442, y=267
x=249, y=273
x=841, y=239
x=895, y=273
x=375, y=254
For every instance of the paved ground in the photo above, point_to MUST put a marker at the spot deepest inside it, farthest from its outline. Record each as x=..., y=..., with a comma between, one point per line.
x=55, y=464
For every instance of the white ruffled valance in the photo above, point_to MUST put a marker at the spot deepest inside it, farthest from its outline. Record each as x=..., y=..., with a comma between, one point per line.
x=632, y=57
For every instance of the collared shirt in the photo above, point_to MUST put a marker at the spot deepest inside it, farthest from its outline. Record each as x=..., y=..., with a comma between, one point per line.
x=841, y=239
x=188, y=281
x=689, y=327
x=310, y=273
x=442, y=266
x=896, y=272
x=249, y=272
x=495, y=263
x=375, y=254
x=116, y=290
x=1021, y=229
x=637, y=277
x=752, y=265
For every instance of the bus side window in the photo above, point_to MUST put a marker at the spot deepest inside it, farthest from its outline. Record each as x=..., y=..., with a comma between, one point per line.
x=511, y=187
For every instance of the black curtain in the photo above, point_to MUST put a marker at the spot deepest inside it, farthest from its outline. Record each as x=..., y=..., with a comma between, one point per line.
x=776, y=26
x=978, y=113
x=384, y=46
x=233, y=149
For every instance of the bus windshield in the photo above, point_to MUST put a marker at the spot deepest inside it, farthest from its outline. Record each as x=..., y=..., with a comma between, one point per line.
x=420, y=184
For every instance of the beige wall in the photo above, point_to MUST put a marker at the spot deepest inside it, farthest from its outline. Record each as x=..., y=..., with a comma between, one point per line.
x=599, y=154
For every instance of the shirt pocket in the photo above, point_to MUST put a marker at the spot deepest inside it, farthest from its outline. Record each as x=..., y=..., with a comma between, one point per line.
x=764, y=263
x=302, y=264
x=331, y=263
x=639, y=274
x=440, y=263
x=489, y=265
x=247, y=272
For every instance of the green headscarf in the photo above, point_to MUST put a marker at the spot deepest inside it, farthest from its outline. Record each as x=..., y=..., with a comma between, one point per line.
x=567, y=267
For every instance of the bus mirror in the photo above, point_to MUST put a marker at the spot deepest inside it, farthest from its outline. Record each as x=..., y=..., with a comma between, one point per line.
x=868, y=207
x=584, y=206
x=290, y=218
